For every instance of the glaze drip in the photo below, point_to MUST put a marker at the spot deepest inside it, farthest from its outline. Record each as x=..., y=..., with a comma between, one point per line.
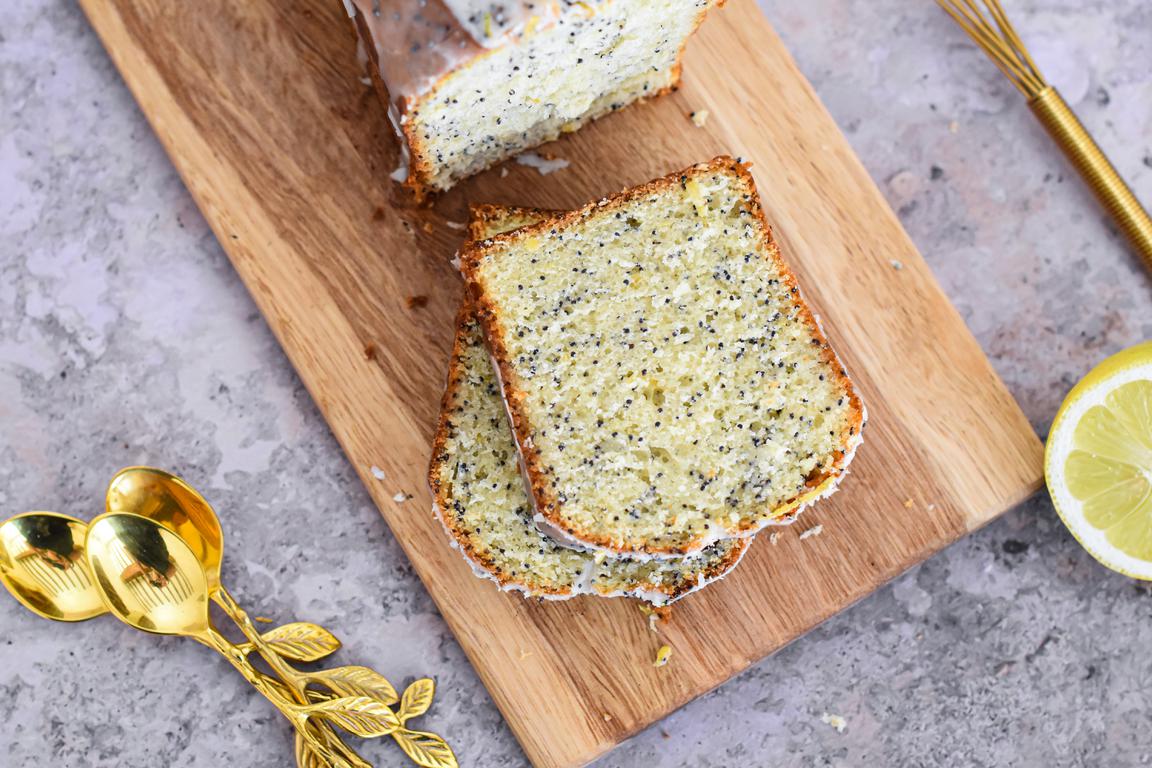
x=418, y=42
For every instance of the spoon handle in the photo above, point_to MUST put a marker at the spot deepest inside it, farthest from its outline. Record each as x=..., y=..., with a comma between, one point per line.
x=276, y=694
x=296, y=682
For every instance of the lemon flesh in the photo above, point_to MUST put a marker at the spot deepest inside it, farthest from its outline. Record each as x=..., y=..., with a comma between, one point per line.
x=1099, y=462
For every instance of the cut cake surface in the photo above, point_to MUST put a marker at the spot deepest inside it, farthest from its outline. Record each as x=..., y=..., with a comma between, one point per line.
x=667, y=385
x=470, y=83
x=481, y=498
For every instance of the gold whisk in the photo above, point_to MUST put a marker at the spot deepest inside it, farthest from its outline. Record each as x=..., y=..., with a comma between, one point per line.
x=988, y=25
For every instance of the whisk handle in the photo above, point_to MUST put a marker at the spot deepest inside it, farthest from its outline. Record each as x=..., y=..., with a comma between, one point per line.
x=1116, y=197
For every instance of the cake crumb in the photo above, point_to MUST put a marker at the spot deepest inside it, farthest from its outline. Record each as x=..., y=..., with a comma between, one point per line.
x=401, y=497
x=415, y=302
x=699, y=118
x=377, y=472
x=607, y=717
x=655, y=614
x=369, y=351
x=773, y=538
x=897, y=264
x=427, y=227
x=503, y=173
x=836, y=721
x=459, y=226
x=662, y=656
x=815, y=530
x=543, y=165
x=907, y=503
x=525, y=654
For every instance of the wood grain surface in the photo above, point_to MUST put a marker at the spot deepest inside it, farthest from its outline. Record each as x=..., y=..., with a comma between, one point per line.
x=261, y=107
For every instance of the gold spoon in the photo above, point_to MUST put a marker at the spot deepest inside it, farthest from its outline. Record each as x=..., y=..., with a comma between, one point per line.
x=152, y=580
x=42, y=564
x=166, y=499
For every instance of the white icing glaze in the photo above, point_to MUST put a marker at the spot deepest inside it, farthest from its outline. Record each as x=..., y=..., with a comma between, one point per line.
x=418, y=42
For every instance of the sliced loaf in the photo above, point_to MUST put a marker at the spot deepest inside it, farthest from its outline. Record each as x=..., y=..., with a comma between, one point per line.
x=668, y=386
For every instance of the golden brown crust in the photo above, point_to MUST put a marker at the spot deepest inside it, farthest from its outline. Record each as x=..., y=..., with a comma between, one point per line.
x=419, y=163
x=482, y=215
x=547, y=502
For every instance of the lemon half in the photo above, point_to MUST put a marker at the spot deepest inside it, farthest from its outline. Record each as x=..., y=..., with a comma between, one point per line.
x=1098, y=462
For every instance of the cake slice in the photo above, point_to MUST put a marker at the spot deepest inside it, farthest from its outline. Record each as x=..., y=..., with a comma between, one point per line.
x=481, y=500
x=667, y=385
x=469, y=83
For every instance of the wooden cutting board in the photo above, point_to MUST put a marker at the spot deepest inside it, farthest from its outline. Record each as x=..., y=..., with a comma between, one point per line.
x=261, y=108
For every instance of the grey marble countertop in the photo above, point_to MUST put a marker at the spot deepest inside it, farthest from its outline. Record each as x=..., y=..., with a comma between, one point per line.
x=125, y=338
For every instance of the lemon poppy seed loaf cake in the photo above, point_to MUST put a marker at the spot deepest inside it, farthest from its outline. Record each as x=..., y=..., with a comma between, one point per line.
x=667, y=385
x=469, y=83
x=481, y=500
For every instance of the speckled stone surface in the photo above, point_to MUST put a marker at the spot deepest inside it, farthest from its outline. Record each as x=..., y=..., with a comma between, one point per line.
x=125, y=337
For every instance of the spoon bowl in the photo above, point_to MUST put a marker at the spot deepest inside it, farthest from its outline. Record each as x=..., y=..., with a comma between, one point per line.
x=43, y=565
x=168, y=500
x=150, y=578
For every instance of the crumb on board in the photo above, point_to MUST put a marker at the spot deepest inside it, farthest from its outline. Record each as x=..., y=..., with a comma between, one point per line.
x=378, y=214
x=699, y=118
x=954, y=127
x=607, y=717
x=263, y=619
x=503, y=173
x=456, y=225
x=655, y=614
x=907, y=503
x=652, y=614
x=543, y=164
x=427, y=227
x=415, y=302
x=662, y=656
x=815, y=530
x=377, y=472
x=897, y=264
x=773, y=538
x=369, y=351
x=836, y=721
x=525, y=654
x=931, y=507
x=401, y=497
